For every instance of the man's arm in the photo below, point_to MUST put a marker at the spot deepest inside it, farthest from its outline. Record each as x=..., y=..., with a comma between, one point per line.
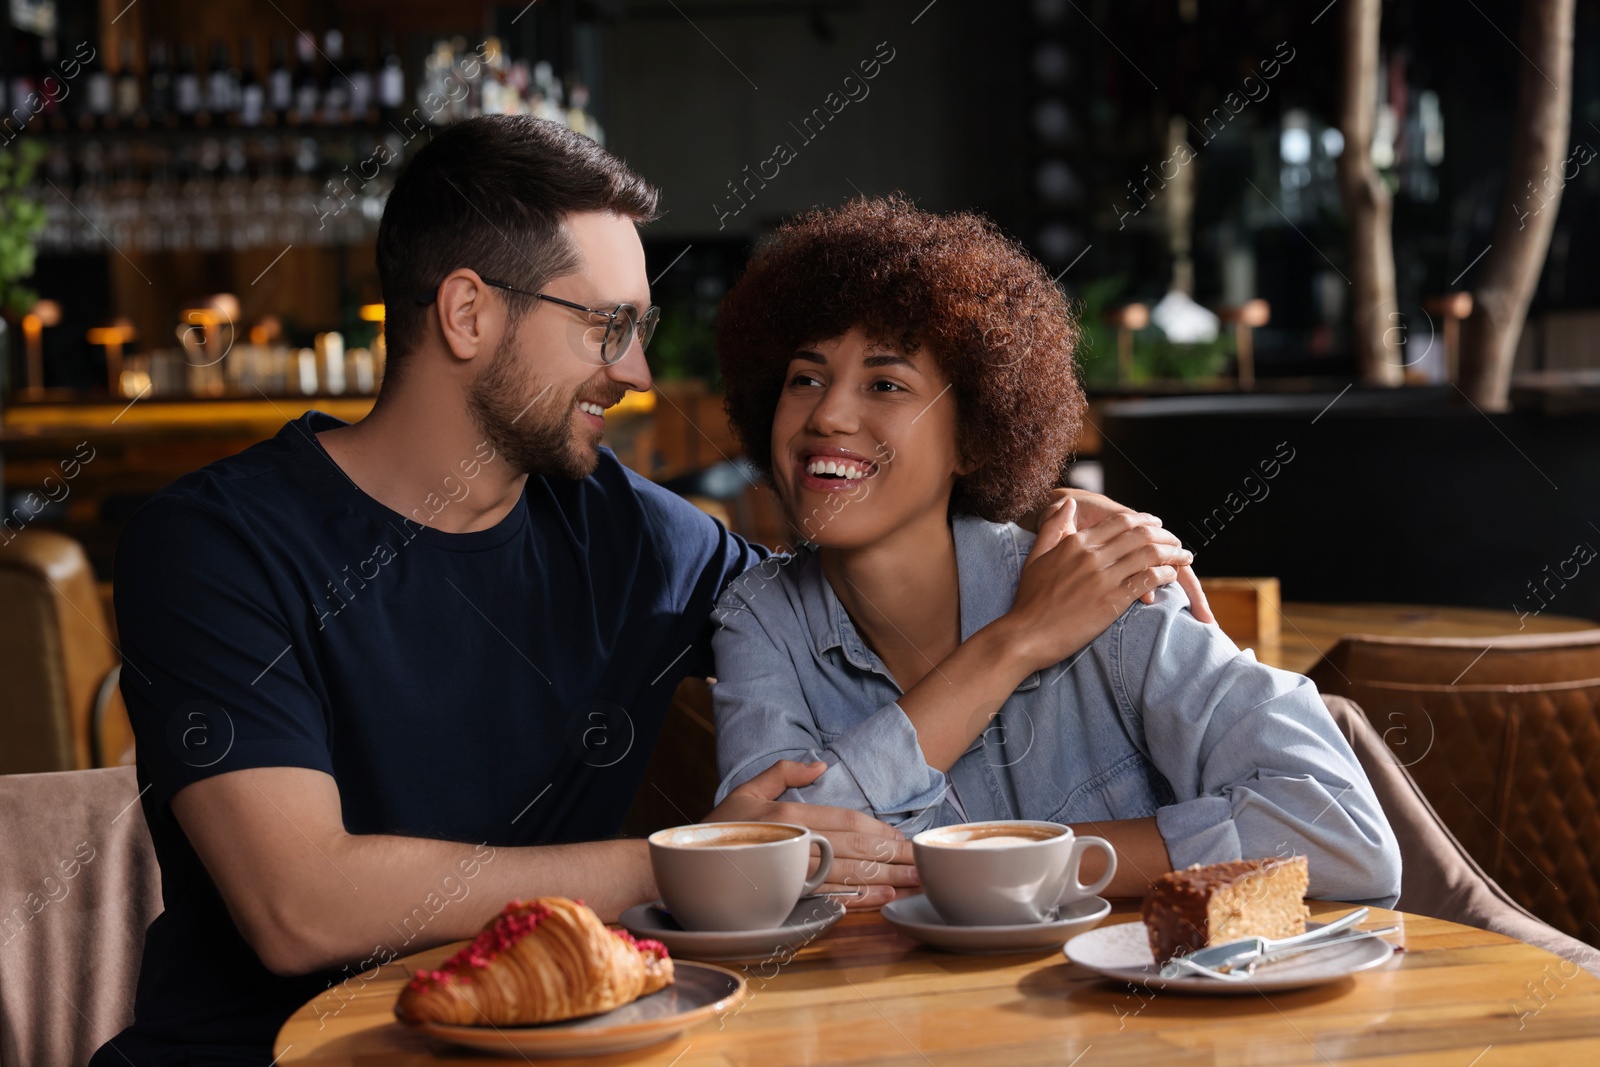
x=307, y=895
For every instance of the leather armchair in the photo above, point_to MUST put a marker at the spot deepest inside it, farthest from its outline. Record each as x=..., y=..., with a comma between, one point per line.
x=1504, y=741
x=60, y=698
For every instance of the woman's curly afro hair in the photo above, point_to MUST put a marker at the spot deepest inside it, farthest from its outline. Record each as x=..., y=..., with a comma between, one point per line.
x=996, y=324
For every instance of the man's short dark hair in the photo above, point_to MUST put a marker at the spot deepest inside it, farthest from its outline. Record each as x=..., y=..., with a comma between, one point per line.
x=490, y=194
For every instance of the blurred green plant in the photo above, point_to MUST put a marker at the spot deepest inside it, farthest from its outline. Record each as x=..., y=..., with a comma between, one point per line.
x=21, y=221
x=1154, y=356
x=684, y=345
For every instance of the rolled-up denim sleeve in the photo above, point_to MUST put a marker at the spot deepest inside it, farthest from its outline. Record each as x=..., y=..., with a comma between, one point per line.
x=1257, y=764
x=876, y=766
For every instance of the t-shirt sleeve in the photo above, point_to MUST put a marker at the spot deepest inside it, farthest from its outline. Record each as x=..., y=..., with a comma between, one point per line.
x=701, y=557
x=212, y=676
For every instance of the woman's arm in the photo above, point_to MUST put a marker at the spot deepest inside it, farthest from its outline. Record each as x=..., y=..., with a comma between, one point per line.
x=763, y=715
x=1074, y=584
x=1257, y=764
x=1141, y=855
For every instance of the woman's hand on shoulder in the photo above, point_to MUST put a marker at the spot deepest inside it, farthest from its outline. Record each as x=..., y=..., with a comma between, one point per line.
x=1076, y=582
x=1096, y=507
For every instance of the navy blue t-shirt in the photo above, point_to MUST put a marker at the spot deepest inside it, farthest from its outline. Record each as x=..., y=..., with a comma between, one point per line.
x=503, y=687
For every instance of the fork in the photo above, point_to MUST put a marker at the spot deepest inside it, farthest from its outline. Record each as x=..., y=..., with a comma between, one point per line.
x=1250, y=947
x=1179, y=965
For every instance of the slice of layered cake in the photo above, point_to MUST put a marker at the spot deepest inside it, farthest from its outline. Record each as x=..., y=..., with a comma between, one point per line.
x=1221, y=902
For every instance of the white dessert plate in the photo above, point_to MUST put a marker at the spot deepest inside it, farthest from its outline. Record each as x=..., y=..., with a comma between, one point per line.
x=698, y=992
x=1123, y=952
x=810, y=917
x=916, y=918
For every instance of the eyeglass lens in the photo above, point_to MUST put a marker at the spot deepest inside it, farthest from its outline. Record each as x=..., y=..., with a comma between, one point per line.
x=622, y=328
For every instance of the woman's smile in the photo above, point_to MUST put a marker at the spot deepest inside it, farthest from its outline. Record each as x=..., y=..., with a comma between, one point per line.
x=829, y=470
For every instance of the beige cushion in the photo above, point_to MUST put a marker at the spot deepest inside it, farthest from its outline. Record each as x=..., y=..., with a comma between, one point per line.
x=80, y=884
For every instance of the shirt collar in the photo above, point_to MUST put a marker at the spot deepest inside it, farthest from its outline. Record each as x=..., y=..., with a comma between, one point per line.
x=989, y=559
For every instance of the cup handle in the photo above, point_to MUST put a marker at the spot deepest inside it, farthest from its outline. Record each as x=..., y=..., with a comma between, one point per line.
x=1075, y=863
x=824, y=863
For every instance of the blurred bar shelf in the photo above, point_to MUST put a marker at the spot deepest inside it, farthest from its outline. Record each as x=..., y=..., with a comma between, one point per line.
x=166, y=419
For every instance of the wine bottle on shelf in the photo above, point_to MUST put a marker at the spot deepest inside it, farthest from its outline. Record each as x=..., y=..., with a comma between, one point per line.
x=128, y=103
x=493, y=92
x=306, y=95
x=96, y=108
x=280, y=83
x=53, y=89
x=222, y=86
x=361, y=87
x=158, y=96
x=335, y=88
x=391, y=83
x=252, y=94
x=186, y=93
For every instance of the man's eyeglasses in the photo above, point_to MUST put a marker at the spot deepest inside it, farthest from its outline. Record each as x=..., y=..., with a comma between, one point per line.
x=622, y=321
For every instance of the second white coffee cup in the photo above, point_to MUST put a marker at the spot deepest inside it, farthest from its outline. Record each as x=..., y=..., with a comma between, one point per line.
x=1005, y=872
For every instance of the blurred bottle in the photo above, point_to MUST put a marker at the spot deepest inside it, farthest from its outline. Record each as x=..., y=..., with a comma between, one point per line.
x=222, y=86
x=54, y=90
x=158, y=98
x=186, y=94
x=252, y=93
x=98, y=101
x=579, y=117
x=335, y=86
x=128, y=105
x=391, y=83
x=280, y=83
x=22, y=104
x=546, y=102
x=361, y=83
x=306, y=93
x=495, y=93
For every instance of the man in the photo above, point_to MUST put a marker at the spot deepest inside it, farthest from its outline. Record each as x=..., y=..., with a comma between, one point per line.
x=385, y=677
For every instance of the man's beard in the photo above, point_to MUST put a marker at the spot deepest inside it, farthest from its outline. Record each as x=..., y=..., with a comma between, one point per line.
x=530, y=426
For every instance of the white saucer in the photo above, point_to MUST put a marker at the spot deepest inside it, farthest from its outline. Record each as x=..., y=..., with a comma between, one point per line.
x=1122, y=952
x=915, y=917
x=810, y=917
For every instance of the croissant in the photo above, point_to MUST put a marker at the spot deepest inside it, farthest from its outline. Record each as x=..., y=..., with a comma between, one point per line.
x=538, y=961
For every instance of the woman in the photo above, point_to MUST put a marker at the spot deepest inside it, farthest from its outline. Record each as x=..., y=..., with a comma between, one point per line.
x=906, y=382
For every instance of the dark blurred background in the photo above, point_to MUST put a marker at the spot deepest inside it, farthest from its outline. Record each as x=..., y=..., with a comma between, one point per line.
x=211, y=174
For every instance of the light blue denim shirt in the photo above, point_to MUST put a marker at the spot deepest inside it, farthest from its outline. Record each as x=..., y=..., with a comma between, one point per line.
x=1160, y=715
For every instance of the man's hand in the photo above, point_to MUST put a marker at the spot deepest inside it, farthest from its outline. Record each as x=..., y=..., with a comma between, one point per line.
x=870, y=858
x=1095, y=507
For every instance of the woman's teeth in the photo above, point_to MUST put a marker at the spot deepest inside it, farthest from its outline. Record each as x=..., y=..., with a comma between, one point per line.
x=593, y=409
x=837, y=469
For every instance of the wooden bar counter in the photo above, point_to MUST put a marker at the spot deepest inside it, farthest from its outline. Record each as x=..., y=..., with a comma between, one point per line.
x=864, y=994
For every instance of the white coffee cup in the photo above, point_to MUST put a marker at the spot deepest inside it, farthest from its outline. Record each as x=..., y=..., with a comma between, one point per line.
x=736, y=875
x=1006, y=872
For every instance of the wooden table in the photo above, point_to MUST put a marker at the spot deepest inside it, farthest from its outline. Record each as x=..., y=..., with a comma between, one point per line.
x=1309, y=630
x=864, y=994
